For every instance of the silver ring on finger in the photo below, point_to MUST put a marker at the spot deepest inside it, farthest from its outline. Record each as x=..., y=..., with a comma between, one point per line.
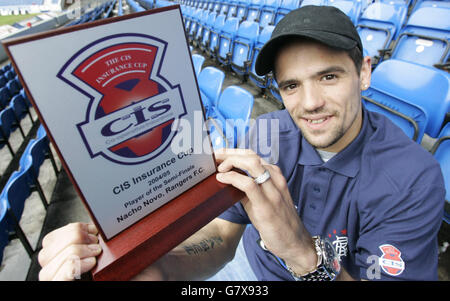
x=262, y=177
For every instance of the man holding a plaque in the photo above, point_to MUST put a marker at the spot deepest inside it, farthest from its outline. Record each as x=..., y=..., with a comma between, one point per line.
x=350, y=198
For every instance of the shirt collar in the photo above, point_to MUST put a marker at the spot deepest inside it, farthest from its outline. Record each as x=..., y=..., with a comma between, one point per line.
x=347, y=162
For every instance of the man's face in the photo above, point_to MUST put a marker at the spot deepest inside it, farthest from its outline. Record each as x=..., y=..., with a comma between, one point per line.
x=321, y=90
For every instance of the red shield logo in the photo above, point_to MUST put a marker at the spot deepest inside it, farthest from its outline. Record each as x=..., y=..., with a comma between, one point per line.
x=133, y=111
x=391, y=261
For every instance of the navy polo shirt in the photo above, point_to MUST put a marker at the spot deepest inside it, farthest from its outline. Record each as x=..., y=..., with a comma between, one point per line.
x=379, y=201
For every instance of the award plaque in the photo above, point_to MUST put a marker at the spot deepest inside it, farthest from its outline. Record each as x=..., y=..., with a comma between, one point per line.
x=120, y=102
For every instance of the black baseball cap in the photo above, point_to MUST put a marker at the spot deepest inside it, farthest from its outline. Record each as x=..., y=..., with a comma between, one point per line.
x=325, y=24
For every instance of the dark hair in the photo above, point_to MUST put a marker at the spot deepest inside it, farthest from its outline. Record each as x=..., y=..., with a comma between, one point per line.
x=357, y=58
x=354, y=53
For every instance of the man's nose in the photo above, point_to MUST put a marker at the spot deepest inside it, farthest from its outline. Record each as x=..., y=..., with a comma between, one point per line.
x=311, y=98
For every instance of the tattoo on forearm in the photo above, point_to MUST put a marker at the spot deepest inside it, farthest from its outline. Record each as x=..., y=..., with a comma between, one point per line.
x=203, y=246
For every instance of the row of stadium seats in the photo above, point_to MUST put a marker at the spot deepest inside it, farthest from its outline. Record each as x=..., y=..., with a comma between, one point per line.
x=379, y=24
x=21, y=2
x=19, y=187
x=422, y=38
x=233, y=44
x=100, y=12
x=14, y=106
x=227, y=111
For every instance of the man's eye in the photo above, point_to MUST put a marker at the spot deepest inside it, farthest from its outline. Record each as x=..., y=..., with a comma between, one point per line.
x=290, y=87
x=329, y=77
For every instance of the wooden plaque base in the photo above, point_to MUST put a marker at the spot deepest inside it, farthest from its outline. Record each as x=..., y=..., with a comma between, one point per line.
x=132, y=250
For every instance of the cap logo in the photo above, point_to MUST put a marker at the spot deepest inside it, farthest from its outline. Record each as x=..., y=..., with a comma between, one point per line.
x=133, y=111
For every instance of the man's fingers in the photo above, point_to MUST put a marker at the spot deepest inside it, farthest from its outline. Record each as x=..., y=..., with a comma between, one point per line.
x=257, y=192
x=73, y=257
x=76, y=233
x=241, y=182
x=252, y=164
x=73, y=267
x=223, y=153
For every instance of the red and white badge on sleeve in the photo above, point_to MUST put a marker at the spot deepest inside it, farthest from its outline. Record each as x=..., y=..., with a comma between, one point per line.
x=391, y=261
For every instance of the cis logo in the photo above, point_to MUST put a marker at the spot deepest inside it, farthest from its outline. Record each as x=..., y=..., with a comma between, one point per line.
x=133, y=112
x=390, y=261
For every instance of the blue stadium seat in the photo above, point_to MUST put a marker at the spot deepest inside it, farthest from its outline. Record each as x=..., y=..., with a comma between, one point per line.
x=217, y=136
x=195, y=20
x=24, y=95
x=13, y=87
x=420, y=92
x=206, y=32
x=9, y=75
x=226, y=39
x=224, y=8
x=119, y=8
x=31, y=161
x=197, y=37
x=15, y=193
x=232, y=9
x=147, y=4
x=242, y=9
x=6, y=67
x=268, y=12
x=162, y=3
x=394, y=2
x=243, y=47
x=285, y=7
x=364, y=3
x=22, y=2
x=108, y=10
x=441, y=151
x=134, y=6
x=420, y=3
x=410, y=118
x=18, y=82
x=425, y=37
x=3, y=81
x=198, y=61
x=210, y=6
x=44, y=142
x=187, y=13
x=231, y=118
x=7, y=126
x=379, y=25
x=20, y=108
x=4, y=233
x=351, y=8
x=254, y=10
x=214, y=35
x=263, y=37
x=216, y=7
x=314, y=2
x=210, y=82
x=5, y=97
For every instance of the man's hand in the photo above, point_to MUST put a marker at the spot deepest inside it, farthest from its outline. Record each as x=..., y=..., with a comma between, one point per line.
x=270, y=207
x=68, y=252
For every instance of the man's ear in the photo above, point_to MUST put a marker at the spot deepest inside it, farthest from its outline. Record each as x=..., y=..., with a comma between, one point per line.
x=366, y=73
